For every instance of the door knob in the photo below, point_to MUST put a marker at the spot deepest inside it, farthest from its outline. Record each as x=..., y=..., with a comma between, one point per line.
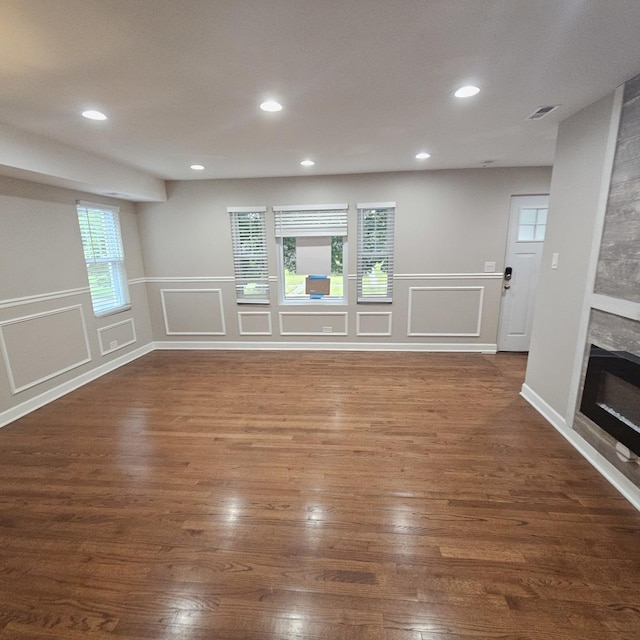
x=507, y=277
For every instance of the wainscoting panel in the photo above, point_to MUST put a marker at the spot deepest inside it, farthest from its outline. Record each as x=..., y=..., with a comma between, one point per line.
x=373, y=323
x=313, y=323
x=254, y=323
x=193, y=312
x=116, y=336
x=41, y=346
x=445, y=311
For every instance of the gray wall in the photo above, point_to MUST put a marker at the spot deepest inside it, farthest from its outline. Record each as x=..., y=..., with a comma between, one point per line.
x=180, y=268
x=48, y=333
x=448, y=223
x=576, y=187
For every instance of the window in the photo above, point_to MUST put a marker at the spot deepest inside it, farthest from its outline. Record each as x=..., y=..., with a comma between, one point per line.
x=249, y=241
x=104, y=257
x=375, y=251
x=312, y=244
x=532, y=225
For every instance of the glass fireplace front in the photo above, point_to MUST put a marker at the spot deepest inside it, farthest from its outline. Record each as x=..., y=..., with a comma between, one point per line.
x=611, y=395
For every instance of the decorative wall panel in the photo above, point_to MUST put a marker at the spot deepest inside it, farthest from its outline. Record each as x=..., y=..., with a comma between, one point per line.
x=116, y=336
x=312, y=323
x=445, y=311
x=41, y=346
x=254, y=323
x=373, y=323
x=193, y=312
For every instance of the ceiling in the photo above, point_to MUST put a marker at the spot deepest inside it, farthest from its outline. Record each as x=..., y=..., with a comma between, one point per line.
x=365, y=84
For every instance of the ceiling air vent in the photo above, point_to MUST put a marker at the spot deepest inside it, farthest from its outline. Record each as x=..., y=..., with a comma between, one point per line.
x=541, y=112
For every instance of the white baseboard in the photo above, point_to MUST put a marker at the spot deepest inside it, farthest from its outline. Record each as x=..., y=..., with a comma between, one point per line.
x=28, y=406
x=544, y=409
x=432, y=347
x=596, y=459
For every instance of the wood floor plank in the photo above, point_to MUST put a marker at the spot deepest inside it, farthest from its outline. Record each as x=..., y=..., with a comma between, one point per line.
x=308, y=495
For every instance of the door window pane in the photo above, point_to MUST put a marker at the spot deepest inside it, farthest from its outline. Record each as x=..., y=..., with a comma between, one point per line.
x=526, y=232
x=528, y=216
x=533, y=225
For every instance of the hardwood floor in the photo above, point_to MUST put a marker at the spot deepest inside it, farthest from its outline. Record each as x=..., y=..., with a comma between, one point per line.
x=309, y=495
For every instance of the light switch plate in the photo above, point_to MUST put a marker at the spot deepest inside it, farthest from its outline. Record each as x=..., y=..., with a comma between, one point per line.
x=554, y=260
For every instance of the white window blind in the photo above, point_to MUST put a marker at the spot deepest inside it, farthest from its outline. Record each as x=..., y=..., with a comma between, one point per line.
x=249, y=241
x=104, y=257
x=375, y=251
x=311, y=220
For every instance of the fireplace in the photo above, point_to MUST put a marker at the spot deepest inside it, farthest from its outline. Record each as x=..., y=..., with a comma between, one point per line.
x=611, y=395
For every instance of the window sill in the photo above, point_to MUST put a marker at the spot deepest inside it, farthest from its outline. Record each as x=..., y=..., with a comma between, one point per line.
x=112, y=312
x=319, y=302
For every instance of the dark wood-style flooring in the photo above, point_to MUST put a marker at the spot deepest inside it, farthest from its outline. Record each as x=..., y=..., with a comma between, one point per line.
x=310, y=496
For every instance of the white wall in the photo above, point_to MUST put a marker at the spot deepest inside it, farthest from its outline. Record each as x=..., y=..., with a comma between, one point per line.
x=448, y=223
x=581, y=175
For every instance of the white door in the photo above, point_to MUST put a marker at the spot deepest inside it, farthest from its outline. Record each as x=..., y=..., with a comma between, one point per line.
x=527, y=227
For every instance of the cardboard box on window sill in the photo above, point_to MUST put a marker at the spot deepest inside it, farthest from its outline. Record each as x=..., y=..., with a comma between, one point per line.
x=317, y=285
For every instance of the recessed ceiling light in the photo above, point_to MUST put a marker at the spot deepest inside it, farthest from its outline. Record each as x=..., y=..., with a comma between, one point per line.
x=307, y=163
x=423, y=155
x=271, y=105
x=197, y=167
x=467, y=92
x=94, y=115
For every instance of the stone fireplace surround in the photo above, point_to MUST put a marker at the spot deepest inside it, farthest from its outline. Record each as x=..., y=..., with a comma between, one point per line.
x=614, y=322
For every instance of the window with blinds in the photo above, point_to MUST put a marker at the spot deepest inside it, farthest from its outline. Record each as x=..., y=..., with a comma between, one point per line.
x=312, y=244
x=249, y=241
x=311, y=220
x=375, y=251
x=104, y=257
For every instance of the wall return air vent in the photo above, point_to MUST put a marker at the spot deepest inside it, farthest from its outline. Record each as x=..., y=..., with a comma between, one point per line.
x=541, y=112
